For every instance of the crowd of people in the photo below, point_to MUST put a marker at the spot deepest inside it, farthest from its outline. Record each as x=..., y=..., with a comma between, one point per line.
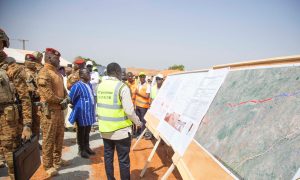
x=49, y=97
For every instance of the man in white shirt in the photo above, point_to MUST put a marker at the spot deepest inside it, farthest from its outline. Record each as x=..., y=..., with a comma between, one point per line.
x=94, y=75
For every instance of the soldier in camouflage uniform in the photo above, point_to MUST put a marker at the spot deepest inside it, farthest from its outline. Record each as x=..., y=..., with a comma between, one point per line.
x=13, y=88
x=2, y=159
x=31, y=64
x=74, y=77
x=54, y=100
x=39, y=57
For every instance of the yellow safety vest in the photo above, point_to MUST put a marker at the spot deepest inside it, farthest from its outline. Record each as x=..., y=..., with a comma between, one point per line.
x=141, y=101
x=111, y=115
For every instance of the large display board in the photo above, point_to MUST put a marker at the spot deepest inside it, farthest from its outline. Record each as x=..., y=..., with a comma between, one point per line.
x=181, y=104
x=253, y=124
x=274, y=139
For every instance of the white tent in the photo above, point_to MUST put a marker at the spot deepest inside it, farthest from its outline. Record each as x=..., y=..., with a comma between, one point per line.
x=19, y=55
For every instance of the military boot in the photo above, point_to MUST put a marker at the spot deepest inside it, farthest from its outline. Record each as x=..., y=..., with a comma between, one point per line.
x=62, y=163
x=52, y=172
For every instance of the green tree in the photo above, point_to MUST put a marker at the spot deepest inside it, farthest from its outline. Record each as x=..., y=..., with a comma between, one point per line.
x=177, y=67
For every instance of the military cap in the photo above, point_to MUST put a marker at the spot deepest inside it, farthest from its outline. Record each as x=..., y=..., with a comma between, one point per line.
x=4, y=37
x=30, y=57
x=79, y=61
x=52, y=51
x=37, y=54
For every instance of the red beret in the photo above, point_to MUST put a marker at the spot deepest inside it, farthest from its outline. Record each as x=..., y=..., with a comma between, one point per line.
x=52, y=51
x=30, y=57
x=79, y=61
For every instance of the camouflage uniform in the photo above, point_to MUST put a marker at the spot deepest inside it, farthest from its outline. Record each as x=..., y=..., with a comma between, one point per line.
x=39, y=66
x=31, y=79
x=38, y=58
x=52, y=92
x=72, y=79
x=2, y=159
x=11, y=122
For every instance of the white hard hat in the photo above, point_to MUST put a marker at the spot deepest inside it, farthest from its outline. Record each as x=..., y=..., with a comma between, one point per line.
x=160, y=76
x=89, y=63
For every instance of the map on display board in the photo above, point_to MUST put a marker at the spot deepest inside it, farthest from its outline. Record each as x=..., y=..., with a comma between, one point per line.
x=181, y=104
x=253, y=124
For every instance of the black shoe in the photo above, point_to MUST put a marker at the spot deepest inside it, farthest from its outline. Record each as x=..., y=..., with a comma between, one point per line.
x=90, y=151
x=83, y=154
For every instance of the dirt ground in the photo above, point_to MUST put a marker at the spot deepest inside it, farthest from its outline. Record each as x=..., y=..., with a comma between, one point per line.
x=93, y=168
x=158, y=166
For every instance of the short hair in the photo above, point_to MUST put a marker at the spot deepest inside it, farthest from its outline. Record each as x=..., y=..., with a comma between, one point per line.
x=81, y=71
x=113, y=68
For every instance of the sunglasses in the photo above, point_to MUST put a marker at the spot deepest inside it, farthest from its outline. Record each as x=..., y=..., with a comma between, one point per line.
x=157, y=78
x=142, y=76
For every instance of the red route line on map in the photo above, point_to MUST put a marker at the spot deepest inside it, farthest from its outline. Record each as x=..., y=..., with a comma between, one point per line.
x=250, y=101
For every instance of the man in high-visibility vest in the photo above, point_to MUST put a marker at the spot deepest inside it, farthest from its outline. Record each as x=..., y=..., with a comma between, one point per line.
x=132, y=84
x=142, y=99
x=153, y=93
x=115, y=115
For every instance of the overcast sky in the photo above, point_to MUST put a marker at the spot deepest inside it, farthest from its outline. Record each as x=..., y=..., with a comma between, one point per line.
x=156, y=33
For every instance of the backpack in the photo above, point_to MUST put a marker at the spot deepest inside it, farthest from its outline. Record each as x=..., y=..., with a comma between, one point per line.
x=6, y=89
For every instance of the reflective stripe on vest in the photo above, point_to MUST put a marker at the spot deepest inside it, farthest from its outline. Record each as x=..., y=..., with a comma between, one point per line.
x=111, y=115
x=132, y=88
x=114, y=106
x=141, y=101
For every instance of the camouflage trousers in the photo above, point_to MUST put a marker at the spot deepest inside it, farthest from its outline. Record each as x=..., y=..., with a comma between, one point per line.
x=53, y=136
x=2, y=159
x=36, y=120
x=10, y=138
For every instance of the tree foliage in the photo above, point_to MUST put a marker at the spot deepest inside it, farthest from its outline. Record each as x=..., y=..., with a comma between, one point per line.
x=89, y=59
x=177, y=67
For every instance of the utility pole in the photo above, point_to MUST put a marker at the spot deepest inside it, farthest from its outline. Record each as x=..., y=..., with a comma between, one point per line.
x=23, y=42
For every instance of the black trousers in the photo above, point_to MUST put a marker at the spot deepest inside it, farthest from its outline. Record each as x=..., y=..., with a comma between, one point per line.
x=140, y=112
x=123, y=149
x=83, y=137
